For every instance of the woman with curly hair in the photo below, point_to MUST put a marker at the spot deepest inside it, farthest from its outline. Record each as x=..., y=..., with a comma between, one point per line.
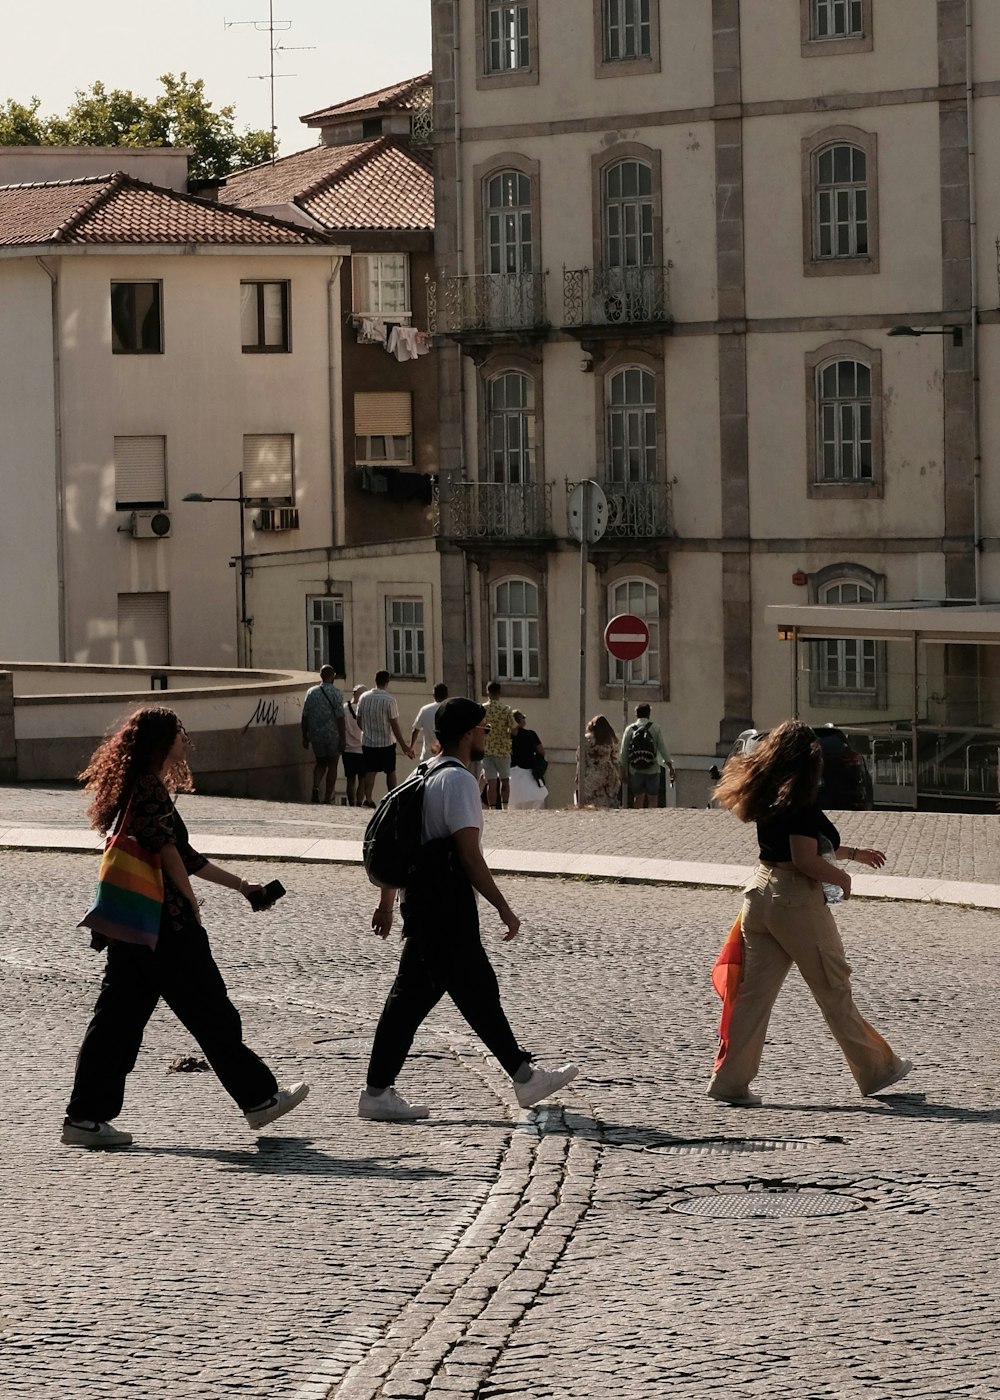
x=785, y=917
x=599, y=776
x=130, y=777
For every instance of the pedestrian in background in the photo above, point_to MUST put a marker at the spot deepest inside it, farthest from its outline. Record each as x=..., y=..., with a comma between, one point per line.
x=354, y=759
x=527, y=767
x=643, y=752
x=323, y=731
x=496, y=758
x=378, y=716
x=130, y=778
x=424, y=724
x=785, y=917
x=599, y=777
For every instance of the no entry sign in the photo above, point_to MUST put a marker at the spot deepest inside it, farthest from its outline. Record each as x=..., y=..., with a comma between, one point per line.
x=626, y=637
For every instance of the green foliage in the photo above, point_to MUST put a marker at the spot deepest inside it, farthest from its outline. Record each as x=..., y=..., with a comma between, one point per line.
x=180, y=116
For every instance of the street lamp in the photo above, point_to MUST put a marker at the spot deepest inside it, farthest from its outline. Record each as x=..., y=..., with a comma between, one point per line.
x=245, y=622
x=954, y=331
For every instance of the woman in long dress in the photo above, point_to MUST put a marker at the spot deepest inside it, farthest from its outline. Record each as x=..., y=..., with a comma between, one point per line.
x=600, y=782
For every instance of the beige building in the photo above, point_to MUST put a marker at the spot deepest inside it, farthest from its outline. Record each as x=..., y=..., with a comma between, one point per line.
x=154, y=345
x=674, y=243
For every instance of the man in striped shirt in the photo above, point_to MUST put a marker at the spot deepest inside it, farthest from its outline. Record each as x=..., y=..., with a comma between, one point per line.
x=378, y=716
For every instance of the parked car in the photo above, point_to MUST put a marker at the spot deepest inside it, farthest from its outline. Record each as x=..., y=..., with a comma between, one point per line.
x=846, y=785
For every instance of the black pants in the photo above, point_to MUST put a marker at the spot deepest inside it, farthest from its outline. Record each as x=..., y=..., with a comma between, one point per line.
x=182, y=971
x=442, y=954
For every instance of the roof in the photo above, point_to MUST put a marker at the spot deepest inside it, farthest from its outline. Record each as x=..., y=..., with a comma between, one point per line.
x=117, y=209
x=381, y=184
x=396, y=98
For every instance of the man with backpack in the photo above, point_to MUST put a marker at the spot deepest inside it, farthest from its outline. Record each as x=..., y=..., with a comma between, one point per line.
x=442, y=950
x=642, y=749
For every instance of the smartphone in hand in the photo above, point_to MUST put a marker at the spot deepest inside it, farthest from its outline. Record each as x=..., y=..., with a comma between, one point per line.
x=272, y=891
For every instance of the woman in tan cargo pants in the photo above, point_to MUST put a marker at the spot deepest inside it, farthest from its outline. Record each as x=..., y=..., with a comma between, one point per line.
x=786, y=918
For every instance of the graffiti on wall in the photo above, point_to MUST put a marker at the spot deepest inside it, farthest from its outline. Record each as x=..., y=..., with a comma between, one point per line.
x=265, y=713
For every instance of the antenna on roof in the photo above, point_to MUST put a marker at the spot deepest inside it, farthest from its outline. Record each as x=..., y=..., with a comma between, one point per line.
x=270, y=27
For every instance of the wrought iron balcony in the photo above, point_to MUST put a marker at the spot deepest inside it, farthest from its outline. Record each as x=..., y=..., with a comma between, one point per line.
x=491, y=303
x=482, y=510
x=616, y=296
x=637, y=510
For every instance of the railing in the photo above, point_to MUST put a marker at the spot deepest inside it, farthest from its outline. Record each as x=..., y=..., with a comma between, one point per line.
x=616, y=296
x=480, y=510
x=636, y=509
x=490, y=302
x=953, y=765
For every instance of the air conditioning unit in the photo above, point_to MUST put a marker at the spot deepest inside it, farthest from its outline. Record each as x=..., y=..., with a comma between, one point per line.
x=278, y=518
x=150, y=524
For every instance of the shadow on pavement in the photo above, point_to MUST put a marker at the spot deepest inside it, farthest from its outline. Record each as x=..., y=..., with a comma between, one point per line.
x=906, y=1105
x=297, y=1157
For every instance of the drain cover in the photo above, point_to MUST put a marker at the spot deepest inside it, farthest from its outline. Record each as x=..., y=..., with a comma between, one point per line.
x=696, y=1147
x=753, y=1205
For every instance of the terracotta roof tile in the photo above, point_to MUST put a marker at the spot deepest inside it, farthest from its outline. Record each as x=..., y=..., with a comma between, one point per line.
x=382, y=184
x=117, y=209
x=396, y=98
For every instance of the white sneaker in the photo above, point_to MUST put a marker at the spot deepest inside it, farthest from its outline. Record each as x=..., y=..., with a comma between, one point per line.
x=278, y=1104
x=89, y=1133
x=900, y=1072
x=389, y=1107
x=543, y=1083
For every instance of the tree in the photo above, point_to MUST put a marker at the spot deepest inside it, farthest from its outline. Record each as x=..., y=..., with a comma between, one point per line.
x=180, y=116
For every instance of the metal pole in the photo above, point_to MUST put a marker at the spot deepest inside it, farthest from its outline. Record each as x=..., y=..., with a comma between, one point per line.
x=626, y=676
x=582, y=727
x=244, y=630
x=914, y=722
x=270, y=37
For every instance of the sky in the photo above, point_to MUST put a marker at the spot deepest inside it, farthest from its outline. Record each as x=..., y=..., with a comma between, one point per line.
x=343, y=49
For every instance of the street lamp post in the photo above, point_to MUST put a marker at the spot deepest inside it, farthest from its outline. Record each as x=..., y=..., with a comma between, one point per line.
x=246, y=648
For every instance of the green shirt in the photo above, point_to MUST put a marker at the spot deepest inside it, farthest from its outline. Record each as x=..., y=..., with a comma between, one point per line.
x=663, y=758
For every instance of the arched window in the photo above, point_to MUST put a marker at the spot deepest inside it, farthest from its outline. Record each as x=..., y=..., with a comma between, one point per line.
x=631, y=426
x=511, y=428
x=627, y=199
x=642, y=599
x=847, y=666
x=508, y=224
x=515, y=631
x=844, y=421
x=840, y=178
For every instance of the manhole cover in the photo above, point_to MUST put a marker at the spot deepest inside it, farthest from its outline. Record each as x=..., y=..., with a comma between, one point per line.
x=752, y=1205
x=698, y=1146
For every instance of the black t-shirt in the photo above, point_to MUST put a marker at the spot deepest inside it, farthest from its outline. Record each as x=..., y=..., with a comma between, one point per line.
x=522, y=748
x=773, y=834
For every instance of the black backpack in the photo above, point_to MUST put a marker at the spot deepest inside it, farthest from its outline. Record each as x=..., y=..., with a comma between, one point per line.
x=391, y=850
x=641, y=748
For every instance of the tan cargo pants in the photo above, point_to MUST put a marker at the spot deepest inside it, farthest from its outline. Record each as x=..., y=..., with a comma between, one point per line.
x=786, y=920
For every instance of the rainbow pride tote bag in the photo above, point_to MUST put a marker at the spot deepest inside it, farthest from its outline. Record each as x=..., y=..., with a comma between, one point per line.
x=129, y=896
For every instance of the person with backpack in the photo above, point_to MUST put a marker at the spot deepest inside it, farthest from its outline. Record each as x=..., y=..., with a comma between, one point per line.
x=427, y=837
x=642, y=750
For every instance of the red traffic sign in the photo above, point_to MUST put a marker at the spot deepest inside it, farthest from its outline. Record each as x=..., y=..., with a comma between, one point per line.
x=626, y=636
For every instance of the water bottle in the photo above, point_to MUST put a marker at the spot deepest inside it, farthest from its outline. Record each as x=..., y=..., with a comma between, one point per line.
x=833, y=894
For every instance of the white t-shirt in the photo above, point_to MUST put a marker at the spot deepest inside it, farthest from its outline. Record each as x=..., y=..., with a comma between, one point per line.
x=451, y=801
x=425, y=723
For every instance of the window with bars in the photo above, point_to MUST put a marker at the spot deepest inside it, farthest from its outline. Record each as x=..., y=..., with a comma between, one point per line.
x=507, y=43
x=404, y=637
x=268, y=469
x=627, y=32
x=264, y=319
x=515, y=631
x=841, y=195
x=325, y=633
x=837, y=19
x=628, y=215
x=381, y=285
x=508, y=223
x=140, y=473
x=383, y=430
x=642, y=599
x=631, y=426
x=511, y=428
x=847, y=665
x=143, y=629
x=136, y=320
x=844, y=427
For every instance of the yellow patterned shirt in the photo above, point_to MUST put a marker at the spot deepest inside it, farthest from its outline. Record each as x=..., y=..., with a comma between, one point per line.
x=500, y=718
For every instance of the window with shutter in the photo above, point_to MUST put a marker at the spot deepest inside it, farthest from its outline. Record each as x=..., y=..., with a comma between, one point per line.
x=140, y=473
x=383, y=429
x=268, y=478
x=143, y=629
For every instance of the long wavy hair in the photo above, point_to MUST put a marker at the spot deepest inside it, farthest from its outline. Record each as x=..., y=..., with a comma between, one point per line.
x=139, y=746
x=782, y=773
x=600, y=728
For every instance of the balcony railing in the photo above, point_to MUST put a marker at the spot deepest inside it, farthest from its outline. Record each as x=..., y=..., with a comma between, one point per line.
x=489, y=303
x=637, y=510
x=481, y=510
x=616, y=296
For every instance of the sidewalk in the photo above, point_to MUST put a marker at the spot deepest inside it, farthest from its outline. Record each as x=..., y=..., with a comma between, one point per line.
x=941, y=858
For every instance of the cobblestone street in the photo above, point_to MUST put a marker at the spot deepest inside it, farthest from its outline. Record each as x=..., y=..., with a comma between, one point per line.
x=487, y=1251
